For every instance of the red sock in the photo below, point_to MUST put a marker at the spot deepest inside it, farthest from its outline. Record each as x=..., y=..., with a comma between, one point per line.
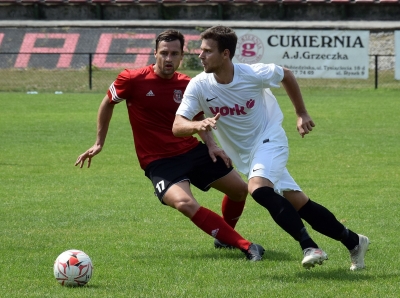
x=232, y=210
x=214, y=225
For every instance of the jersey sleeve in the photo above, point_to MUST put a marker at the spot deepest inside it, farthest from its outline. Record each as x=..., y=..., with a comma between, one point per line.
x=190, y=105
x=120, y=88
x=271, y=74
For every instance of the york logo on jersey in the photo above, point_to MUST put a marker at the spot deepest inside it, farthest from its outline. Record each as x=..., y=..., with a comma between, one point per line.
x=235, y=110
x=250, y=103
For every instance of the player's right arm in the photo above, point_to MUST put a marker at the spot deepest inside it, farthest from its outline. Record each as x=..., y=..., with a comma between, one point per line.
x=104, y=116
x=183, y=127
x=186, y=122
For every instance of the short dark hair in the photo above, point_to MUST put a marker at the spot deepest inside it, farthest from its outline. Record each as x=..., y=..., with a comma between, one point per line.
x=170, y=35
x=224, y=36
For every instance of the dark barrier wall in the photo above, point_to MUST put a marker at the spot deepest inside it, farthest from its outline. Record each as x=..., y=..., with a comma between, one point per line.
x=26, y=47
x=248, y=10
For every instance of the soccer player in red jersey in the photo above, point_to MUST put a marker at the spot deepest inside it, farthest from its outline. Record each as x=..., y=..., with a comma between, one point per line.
x=152, y=95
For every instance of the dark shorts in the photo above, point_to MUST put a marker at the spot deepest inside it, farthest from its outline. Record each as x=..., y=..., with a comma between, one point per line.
x=195, y=166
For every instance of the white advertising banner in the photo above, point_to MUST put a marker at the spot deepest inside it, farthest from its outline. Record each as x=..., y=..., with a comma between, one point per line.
x=397, y=54
x=308, y=53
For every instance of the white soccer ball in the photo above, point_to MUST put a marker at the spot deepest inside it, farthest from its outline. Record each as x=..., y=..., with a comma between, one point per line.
x=73, y=268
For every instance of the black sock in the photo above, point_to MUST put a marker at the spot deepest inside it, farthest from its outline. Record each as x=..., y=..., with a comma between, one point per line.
x=324, y=222
x=351, y=240
x=284, y=214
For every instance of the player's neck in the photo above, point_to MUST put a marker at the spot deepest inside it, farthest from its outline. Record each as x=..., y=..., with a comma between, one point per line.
x=225, y=74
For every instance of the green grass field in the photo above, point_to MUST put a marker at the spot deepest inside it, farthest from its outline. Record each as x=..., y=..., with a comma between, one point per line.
x=77, y=81
x=349, y=163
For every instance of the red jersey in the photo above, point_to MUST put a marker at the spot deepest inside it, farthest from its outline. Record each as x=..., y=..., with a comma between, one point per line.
x=152, y=103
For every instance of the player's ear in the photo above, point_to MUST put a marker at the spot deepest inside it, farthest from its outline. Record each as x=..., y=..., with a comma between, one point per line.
x=226, y=54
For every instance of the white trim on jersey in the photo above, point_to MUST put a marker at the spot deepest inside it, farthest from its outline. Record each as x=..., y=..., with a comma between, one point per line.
x=114, y=94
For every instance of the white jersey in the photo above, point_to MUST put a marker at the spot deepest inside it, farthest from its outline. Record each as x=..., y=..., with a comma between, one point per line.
x=250, y=114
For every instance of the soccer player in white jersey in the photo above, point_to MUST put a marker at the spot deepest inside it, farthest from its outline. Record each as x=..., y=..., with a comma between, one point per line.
x=236, y=99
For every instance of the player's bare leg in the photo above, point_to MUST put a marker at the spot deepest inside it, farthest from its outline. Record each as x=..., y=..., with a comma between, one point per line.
x=180, y=197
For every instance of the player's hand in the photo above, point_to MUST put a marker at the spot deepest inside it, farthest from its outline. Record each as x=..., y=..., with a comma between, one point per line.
x=209, y=124
x=215, y=151
x=304, y=124
x=88, y=154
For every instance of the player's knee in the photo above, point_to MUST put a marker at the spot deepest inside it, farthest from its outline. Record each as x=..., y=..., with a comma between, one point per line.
x=242, y=196
x=257, y=183
x=243, y=191
x=267, y=197
x=297, y=198
x=240, y=190
x=240, y=193
x=187, y=206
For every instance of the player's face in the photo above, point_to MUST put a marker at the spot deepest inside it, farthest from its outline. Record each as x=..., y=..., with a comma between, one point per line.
x=210, y=57
x=168, y=58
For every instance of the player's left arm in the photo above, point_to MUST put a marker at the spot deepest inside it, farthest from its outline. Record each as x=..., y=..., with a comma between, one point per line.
x=304, y=122
x=213, y=149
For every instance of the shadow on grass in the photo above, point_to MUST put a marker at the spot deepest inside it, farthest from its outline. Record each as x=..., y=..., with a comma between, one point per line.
x=80, y=288
x=22, y=164
x=233, y=254
x=329, y=274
